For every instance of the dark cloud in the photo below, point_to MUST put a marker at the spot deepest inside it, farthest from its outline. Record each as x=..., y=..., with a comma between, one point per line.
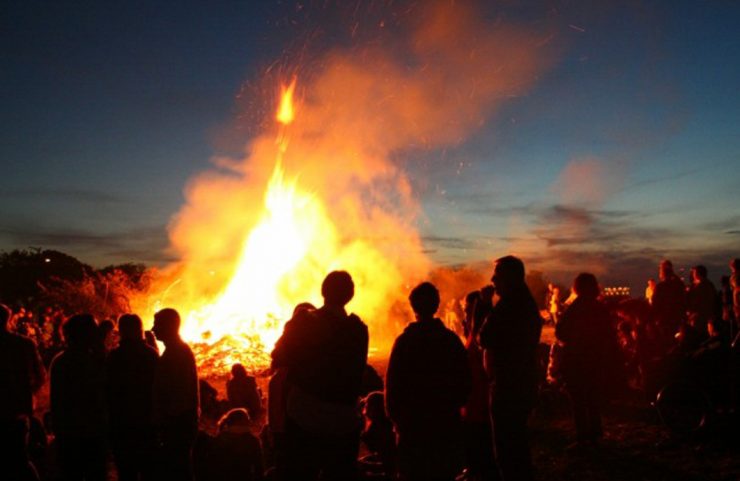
x=728, y=225
x=140, y=244
x=450, y=242
x=666, y=178
x=66, y=194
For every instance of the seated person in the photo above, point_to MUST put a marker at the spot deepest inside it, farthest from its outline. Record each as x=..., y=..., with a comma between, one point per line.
x=235, y=453
x=378, y=435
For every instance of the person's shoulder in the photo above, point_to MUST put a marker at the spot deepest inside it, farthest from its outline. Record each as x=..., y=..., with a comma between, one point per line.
x=355, y=320
x=413, y=329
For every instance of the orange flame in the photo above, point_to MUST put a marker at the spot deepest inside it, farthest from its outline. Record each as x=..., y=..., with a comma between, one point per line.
x=286, y=111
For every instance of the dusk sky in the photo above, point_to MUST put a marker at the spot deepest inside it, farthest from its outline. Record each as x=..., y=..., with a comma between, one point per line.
x=623, y=151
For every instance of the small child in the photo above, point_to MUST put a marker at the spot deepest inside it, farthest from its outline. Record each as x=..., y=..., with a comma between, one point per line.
x=236, y=453
x=378, y=435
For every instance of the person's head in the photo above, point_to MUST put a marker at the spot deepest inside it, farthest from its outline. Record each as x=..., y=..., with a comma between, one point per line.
x=586, y=286
x=375, y=406
x=5, y=315
x=471, y=301
x=665, y=271
x=651, y=283
x=508, y=274
x=80, y=331
x=424, y=300
x=337, y=289
x=130, y=327
x=238, y=371
x=236, y=418
x=486, y=293
x=735, y=265
x=698, y=273
x=303, y=307
x=167, y=325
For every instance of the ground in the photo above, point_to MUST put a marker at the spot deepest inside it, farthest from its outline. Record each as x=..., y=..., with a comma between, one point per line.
x=636, y=448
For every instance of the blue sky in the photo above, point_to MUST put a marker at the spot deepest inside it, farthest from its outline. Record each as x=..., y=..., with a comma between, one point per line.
x=108, y=111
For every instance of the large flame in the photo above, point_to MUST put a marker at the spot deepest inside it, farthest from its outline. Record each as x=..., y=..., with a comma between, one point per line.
x=282, y=261
x=324, y=187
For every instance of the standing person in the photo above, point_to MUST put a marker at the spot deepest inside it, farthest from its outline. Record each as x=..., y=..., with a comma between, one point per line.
x=21, y=376
x=510, y=337
x=669, y=302
x=735, y=285
x=476, y=418
x=587, y=337
x=428, y=382
x=701, y=298
x=175, y=408
x=324, y=353
x=130, y=381
x=78, y=411
x=650, y=290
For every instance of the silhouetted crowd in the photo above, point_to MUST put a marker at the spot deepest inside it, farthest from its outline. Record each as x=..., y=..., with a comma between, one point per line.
x=453, y=405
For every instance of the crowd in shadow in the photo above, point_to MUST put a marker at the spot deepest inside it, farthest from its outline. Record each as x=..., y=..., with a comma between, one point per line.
x=453, y=405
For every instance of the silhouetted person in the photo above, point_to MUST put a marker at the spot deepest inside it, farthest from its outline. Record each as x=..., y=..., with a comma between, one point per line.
x=476, y=416
x=107, y=338
x=378, y=435
x=277, y=416
x=324, y=352
x=725, y=297
x=701, y=298
x=235, y=454
x=428, y=382
x=78, y=407
x=510, y=337
x=735, y=285
x=586, y=333
x=175, y=408
x=210, y=406
x=21, y=375
x=669, y=301
x=242, y=392
x=484, y=306
x=130, y=382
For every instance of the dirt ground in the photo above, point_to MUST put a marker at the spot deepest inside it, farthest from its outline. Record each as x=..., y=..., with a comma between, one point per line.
x=635, y=448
